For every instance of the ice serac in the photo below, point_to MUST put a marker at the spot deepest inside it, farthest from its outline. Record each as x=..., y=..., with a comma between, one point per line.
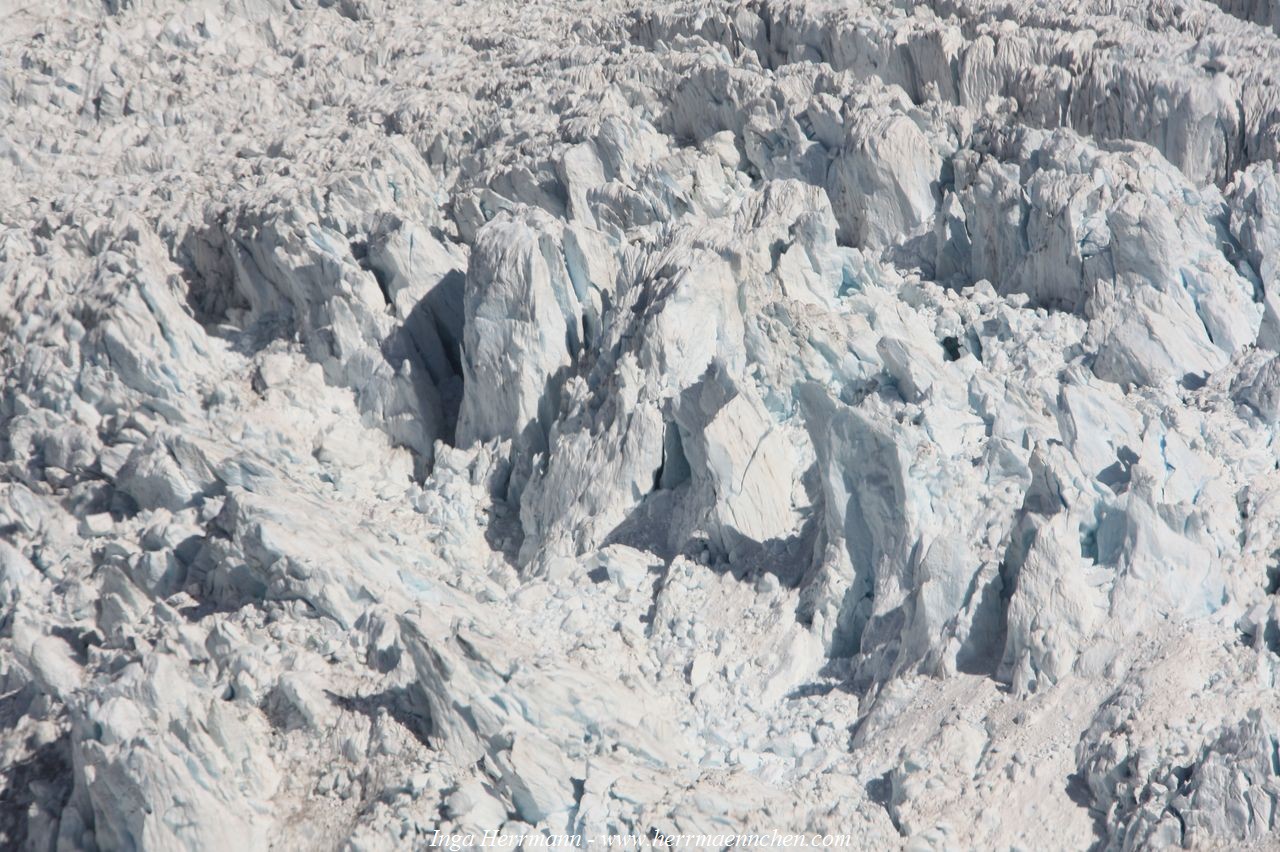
x=1253, y=199
x=735, y=454
x=640, y=407
x=301, y=263
x=535, y=725
x=846, y=417
x=921, y=573
x=1114, y=234
x=137, y=787
x=523, y=330
x=1263, y=12
x=885, y=178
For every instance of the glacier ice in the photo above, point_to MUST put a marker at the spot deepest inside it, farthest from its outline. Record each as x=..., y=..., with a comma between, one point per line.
x=649, y=419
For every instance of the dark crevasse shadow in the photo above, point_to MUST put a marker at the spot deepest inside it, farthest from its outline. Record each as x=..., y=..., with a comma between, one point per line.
x=39, y=781
x=397, y=702
x=1078, y=792
x=431, y=339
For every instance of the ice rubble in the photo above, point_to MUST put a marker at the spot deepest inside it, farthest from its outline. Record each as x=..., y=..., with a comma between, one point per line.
x=689, y=417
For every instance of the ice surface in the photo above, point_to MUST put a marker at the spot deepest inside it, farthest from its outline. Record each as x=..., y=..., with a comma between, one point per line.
x=630, y=418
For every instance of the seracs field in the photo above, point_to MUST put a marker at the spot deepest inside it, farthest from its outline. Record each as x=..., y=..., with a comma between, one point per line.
x=589, y=418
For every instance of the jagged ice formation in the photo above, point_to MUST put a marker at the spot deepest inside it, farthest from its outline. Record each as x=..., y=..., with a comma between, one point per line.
x=853, y=417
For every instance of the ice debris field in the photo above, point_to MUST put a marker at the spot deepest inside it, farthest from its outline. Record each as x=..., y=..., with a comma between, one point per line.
x=655, y=418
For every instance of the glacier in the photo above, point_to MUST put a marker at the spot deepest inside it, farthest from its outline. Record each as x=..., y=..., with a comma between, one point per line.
x=839, y=417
